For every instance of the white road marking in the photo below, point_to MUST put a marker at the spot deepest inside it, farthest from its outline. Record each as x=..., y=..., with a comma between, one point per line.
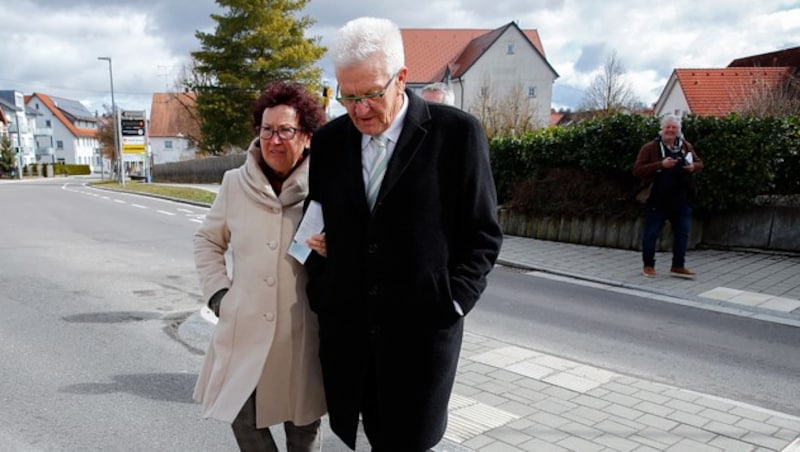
x=165, y=212
x=139, y=206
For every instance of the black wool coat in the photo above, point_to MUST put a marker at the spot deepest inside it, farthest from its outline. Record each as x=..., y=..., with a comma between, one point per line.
x=384, y=294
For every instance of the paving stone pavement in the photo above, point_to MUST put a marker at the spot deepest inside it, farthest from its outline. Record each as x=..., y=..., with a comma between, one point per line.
x=756, y=284
x=508, y=398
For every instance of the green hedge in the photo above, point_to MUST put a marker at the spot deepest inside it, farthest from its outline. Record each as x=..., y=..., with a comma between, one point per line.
x=65, y=169
x=744, y=157
x=59, y=169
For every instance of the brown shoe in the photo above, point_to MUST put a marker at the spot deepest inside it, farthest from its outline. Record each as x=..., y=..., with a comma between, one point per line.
x=649, y=272
x=681, y=272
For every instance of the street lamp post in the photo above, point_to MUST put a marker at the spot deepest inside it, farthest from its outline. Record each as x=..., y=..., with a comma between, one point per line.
x=120, y=167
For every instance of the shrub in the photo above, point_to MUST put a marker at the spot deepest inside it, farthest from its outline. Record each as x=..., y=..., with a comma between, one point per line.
x=588, y=167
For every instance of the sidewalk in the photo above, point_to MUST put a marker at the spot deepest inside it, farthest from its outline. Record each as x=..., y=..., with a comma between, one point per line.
x=759, y=285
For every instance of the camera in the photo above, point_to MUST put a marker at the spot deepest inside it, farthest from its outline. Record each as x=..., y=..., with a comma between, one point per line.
x=681, y=158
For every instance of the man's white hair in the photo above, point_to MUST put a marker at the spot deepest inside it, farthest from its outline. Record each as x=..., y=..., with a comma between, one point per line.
x=365, y=37
x=666, y=119
x=448, y=97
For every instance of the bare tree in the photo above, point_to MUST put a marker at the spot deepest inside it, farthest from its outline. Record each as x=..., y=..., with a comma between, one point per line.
x=508, y=114
x=773, y=100
x=610, y=91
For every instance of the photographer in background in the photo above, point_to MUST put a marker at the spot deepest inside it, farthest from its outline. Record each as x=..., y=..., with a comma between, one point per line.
x=668, y=164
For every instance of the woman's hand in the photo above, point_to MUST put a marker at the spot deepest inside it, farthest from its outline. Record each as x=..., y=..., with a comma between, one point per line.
x=317, y=243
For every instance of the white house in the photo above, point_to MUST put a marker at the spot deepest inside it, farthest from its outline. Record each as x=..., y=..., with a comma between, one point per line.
x=21, y=128
x=174, y=132
x=74, y=130
x=483, y=64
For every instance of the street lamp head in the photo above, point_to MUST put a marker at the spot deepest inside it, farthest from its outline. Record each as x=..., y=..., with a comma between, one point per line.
x=104, y=58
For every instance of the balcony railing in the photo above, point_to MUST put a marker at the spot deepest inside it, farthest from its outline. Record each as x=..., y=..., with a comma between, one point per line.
x=46, y=151
x=43, y=131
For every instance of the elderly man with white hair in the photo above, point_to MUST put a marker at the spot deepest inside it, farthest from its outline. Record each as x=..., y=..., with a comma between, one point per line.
x=667, y=165
x=411, y=233
x=439, y=92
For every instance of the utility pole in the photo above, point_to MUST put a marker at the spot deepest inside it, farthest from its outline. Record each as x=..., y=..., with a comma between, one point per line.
x=19, y=143
x=117, y=152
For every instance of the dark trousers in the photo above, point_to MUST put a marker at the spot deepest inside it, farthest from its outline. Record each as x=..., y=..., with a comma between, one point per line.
x=680, y=220
x=371, y=420
x=305, y=438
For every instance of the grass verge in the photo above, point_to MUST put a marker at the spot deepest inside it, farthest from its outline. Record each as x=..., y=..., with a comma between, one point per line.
x=169, y=191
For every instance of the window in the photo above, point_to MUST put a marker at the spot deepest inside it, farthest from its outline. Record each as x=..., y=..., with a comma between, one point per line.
x=59, y=144
x=167, y=144
x=531, y=92
x=484, y=91
x=510, y=49
x=48, y=123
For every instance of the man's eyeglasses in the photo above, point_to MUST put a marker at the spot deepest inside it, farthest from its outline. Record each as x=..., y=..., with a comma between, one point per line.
x=284, y=133
x=348, y=101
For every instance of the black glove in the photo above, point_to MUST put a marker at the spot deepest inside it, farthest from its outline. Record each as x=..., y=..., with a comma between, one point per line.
x=215, y=301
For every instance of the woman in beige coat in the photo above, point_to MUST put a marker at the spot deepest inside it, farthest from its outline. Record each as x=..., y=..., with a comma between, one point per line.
x=262, y=366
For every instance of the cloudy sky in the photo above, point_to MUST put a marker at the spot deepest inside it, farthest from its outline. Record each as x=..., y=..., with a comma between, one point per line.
x=51, y=46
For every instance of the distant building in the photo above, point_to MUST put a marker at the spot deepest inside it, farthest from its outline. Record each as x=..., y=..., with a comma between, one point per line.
x=174, y=131
x=720, y=91
x=21, y=125
x=481, y=63
x=72, y=127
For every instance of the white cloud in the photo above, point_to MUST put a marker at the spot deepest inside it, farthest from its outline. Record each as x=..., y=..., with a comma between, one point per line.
x=52, y=46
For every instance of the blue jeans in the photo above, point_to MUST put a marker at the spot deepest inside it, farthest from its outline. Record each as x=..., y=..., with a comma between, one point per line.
x=681, y=222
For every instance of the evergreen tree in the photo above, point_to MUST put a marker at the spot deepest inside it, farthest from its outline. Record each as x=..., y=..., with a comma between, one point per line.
x=254, y=43
x=8, y=159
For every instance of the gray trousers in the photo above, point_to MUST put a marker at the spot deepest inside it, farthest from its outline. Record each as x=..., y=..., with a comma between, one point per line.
x=304, y=438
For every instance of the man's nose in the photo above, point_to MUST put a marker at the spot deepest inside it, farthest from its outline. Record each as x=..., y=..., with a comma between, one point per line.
x=362, y=106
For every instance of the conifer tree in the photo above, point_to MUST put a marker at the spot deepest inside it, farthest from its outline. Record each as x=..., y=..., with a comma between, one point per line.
x=8, y=159
x=254, y=43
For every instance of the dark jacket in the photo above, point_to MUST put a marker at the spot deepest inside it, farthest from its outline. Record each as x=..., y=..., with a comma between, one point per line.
x=384, y=294
x=674, y=187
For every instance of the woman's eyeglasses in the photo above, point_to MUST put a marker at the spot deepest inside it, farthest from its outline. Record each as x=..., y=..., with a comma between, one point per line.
x=284, y=133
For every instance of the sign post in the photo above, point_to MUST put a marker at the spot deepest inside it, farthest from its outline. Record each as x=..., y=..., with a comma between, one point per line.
x=133, y=125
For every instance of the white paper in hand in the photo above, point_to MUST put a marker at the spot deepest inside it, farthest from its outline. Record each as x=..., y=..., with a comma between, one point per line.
x=311, y=224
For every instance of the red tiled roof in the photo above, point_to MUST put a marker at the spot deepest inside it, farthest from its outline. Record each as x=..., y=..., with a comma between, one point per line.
x=717, y=92
x=172, y=114
x=75, y=131
x=555, y=117
x=429, y=51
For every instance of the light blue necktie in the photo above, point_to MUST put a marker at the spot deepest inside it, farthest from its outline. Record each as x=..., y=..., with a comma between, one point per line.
x=377, y=168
